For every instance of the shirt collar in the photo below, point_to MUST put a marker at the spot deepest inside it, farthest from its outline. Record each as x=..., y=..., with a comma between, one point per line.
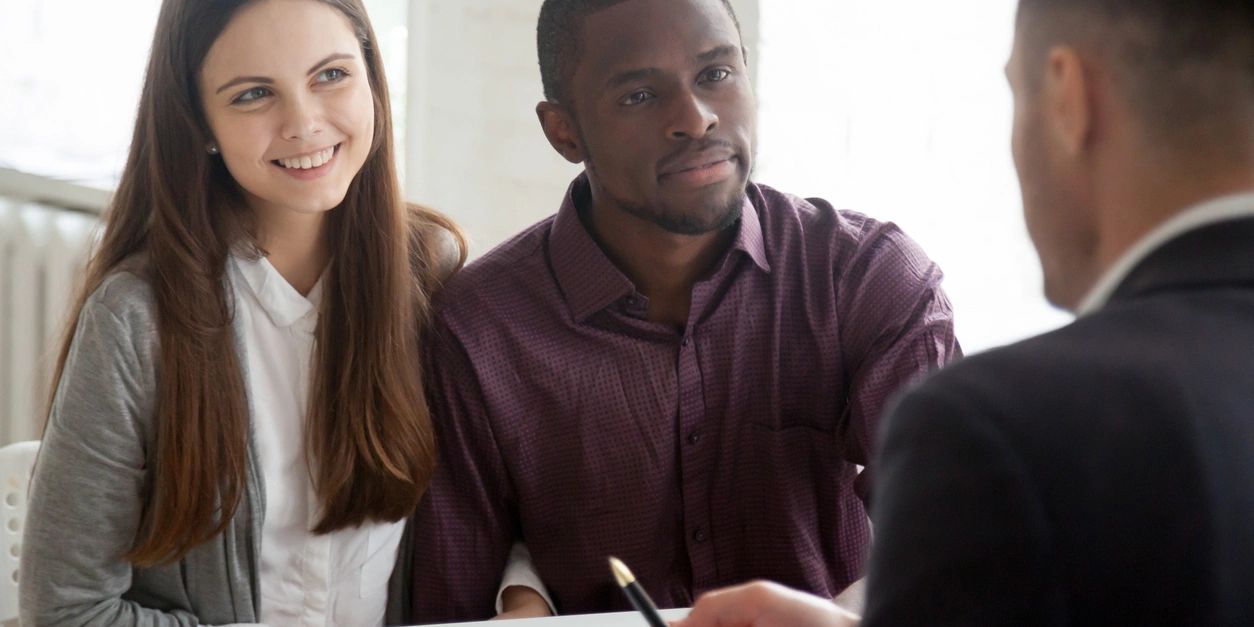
x=281, y=302
x=1221, y=209
x=750, y=240
x=591, y=282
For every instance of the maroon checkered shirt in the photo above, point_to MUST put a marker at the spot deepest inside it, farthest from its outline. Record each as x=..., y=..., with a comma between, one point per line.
x=701, y=458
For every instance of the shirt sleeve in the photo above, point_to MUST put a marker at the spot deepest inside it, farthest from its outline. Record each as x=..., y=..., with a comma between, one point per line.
x=521, y=572
x=960, y=535
x=897, y=326
x=87, y=486
x=465, y=526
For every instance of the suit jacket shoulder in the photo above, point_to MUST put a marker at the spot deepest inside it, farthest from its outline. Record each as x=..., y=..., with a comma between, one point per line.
x=1101, y=473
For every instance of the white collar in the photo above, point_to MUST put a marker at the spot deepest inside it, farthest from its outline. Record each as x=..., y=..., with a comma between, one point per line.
x=1221, y=209
x=281, y=302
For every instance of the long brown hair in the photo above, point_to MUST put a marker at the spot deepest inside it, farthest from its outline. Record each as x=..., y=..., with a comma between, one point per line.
x=369, y=436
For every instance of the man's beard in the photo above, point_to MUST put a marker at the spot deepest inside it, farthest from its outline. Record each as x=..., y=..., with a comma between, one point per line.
x=709, y=219
x=716, y=215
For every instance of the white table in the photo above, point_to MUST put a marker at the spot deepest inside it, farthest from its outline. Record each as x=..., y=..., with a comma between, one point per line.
x=615, y=619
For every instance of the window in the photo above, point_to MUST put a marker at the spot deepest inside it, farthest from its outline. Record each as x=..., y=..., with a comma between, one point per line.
x=899, y=109
x=72, y=84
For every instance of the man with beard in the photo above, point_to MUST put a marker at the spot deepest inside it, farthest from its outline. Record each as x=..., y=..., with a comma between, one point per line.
x=681, y=368
x=1101, y=474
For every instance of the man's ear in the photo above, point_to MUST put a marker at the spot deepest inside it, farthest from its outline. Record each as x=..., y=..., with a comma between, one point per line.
x=1069, y=106
x=559, y=128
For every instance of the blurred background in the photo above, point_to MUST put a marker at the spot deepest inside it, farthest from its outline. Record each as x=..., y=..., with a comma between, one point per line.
x=895, y=108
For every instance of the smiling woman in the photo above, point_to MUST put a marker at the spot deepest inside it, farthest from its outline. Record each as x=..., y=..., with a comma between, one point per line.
x=238, y=410
x=272, y=116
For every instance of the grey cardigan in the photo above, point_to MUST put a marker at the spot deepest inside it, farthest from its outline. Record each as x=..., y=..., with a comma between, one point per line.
x=89, y=481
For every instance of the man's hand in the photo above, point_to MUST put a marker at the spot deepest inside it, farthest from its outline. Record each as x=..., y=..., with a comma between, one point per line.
x=522, y=602
x=765, y=604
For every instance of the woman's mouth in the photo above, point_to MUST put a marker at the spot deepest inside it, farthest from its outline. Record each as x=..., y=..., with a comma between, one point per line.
x=309, y=165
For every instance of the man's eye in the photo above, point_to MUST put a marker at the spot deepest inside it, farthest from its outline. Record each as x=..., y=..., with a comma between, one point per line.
x=638, y=97
x=716, y=75
x=252, y=95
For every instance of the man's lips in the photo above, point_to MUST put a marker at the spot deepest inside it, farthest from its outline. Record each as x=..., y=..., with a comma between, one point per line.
x=700, y=174
x=695, y=162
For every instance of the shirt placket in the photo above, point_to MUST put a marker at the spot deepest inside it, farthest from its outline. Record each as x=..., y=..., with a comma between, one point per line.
x=317, y=567
x=696, y=459
x=317, y=557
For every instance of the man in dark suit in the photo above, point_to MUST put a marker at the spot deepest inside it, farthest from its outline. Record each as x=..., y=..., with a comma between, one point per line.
x=1103, y=473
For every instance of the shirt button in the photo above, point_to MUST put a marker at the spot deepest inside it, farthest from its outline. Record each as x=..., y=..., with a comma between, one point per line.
x=699, y=535
x=694, y=437
x=685, y=341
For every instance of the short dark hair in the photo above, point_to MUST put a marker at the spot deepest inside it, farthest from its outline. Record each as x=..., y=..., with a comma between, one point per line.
x=1181, y=65
x=557, y=39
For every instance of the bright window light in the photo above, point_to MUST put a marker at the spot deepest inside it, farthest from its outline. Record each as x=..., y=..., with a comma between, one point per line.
x=900, y=110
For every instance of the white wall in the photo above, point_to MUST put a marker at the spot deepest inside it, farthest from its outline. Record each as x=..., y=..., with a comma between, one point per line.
x=475, y=149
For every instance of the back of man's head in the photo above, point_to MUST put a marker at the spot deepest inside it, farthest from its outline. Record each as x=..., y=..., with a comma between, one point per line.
x=1184, y=67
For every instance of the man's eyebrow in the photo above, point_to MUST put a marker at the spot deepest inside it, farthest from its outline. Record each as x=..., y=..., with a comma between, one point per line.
x=630, y=76
x=718, y=53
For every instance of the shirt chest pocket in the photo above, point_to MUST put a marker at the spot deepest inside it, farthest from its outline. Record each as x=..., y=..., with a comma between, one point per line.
x=376, y=569
x=814, y=413
x=805, y=402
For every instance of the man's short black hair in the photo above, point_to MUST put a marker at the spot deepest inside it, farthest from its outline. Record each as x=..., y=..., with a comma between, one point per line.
x=557, y=38
x=1181, y=65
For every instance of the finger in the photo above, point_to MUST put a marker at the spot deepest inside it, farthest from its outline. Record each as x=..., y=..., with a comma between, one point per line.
x=738, y=606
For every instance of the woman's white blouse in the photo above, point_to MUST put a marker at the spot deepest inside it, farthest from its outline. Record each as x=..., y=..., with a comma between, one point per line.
x=310, y=580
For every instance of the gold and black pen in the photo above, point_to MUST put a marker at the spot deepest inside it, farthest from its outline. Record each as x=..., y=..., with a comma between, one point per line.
x=635, y=593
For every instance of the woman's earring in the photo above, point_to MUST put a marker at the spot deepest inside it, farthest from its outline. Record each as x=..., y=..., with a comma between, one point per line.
x=212, y=149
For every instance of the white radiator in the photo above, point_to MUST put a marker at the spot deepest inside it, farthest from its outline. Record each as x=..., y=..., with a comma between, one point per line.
x=42, y=253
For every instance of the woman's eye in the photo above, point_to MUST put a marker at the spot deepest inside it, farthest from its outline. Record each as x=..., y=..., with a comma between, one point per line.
x=638, y=97
x=252, y=95
x=331, y=75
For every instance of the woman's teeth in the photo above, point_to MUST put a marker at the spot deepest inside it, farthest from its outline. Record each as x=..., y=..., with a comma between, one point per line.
x=306, y=162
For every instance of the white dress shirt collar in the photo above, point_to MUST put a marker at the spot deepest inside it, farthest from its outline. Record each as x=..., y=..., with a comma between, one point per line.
x=281, y=302
x=1221, y=209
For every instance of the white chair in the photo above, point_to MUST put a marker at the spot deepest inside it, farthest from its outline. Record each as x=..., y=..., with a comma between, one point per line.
x=16, y=462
